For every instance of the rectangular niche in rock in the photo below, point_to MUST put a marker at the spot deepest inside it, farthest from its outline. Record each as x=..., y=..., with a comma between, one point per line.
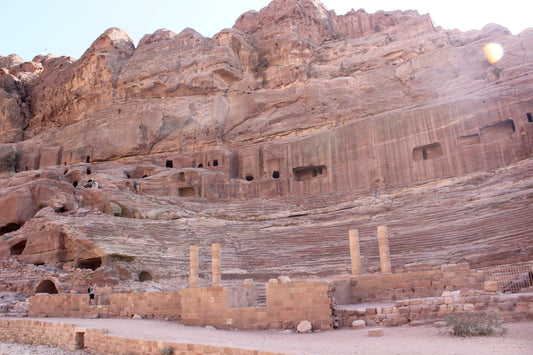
x=187, y=192
x=499, y=130
x=309, y=172
x=426, y=152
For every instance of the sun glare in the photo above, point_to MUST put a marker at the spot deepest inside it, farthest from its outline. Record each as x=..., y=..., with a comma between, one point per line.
x=494, y=52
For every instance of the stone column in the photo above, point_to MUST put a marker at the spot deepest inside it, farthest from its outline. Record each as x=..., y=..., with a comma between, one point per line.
x=193, y=273
x=384, y=250
x=215, y=264
x=355, y=253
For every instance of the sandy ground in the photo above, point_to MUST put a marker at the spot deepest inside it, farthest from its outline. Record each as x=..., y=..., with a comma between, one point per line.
x=397, y=340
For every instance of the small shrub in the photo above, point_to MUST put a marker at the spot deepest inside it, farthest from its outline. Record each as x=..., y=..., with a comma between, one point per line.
x=7, y=161
x=496, y=71
x=166, y=351
x=41, y=205
x=474, y=324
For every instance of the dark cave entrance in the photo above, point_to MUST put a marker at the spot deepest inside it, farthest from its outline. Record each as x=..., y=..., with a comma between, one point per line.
x=92, y=263
x=46, y=286
x=145, y=276
x=18, y=248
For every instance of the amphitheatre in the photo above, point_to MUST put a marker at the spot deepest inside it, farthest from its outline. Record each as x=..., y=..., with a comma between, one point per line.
x=299, y=166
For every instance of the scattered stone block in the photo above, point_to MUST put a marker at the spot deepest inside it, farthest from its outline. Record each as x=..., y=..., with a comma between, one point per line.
x=273, y=281
x=137, y=316
x=491, y=286
x=358, y=324
x=305, y=326
x=284, y=280
x=376, y=332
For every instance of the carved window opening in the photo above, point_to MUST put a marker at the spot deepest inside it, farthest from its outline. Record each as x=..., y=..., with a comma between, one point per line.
x=46, y=286
x=92, y=263
x=145, y=276
x=275, y=174
x=18, y=248
x=427, y=152
x=10, y=227
x=169, y=164
x=309, y=172
x=89, y=171
x=469, y=140
x=249, y=178
x=200, y=165
x=529, y=117
x=88, y=159
x=187, y=192
x=215, y=162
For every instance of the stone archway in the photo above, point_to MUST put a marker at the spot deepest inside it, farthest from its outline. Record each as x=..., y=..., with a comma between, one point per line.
x=46, y=286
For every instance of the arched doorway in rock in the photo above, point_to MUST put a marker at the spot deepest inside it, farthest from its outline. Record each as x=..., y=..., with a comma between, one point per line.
x=46, y=286
x=145, y=276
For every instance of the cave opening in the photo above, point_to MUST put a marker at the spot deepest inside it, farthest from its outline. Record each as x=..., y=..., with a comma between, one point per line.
x=10, y=227
x=18, y=248
x=46, y=286
x=249, y=178
x=215, y=162
x=88, y=159
x=275, y=174
x=529, y=117
x=200, y=165
x=169, y=164
x=75, y=184
x=309, y=172
x=427, y=152
x=91, y=263
x=145, y=276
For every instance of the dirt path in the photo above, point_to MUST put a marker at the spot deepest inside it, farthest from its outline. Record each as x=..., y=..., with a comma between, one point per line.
x=397, y=340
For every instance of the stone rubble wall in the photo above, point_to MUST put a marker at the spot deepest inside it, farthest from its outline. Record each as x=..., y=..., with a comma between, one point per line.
x=509, y=307
x=97, y=341
x=414, y=283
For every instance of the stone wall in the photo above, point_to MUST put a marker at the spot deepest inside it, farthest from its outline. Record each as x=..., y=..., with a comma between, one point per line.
x=148, y=305
x=97, y=341
x=509, y=307
x=425, y=282
x=287, y=305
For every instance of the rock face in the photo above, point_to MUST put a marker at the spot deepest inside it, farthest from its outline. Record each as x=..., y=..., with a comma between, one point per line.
x=273, y=138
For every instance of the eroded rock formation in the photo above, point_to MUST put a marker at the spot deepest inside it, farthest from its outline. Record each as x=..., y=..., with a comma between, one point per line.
x=273, y=138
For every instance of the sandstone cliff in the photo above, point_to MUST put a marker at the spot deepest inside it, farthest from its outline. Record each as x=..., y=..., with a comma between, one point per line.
x=273, y=138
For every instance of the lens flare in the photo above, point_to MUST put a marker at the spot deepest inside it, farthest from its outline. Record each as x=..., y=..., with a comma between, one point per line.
x=494, y=52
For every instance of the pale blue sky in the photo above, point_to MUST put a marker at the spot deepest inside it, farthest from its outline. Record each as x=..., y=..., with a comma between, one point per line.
x=69, y=27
